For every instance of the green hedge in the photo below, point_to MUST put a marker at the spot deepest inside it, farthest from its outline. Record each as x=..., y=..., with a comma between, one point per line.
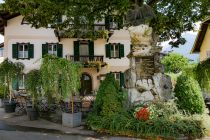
x=189, y=96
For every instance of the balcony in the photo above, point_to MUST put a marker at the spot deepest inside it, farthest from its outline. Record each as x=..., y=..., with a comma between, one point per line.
x=85, y=58
x=96, y=61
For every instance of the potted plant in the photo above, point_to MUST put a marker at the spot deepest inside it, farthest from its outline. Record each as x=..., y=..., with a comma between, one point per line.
x=60, y=81
x=2, y=94
x=33, y=87
x=10, y=71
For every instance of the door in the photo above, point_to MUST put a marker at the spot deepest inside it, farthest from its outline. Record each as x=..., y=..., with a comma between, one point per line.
x=86, y=84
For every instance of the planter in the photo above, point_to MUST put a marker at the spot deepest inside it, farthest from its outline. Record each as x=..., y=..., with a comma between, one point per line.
x=71, y=120
x=9, y=107
x=32, y=114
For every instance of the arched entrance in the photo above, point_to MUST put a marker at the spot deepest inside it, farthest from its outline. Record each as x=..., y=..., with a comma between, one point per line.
x=86, y=84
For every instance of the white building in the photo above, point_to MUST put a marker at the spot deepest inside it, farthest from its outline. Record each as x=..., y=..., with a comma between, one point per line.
x=25, y=44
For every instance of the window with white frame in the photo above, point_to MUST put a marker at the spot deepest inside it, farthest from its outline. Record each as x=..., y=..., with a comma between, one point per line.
x=21, y=82
x=52, y=49
x=117, y=76
x=23, y=50
x=115, y=50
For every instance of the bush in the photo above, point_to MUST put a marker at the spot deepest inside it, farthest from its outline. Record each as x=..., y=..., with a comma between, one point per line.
x=109, y=99
x=189, y=96
x=174, y=63
x=2, y=90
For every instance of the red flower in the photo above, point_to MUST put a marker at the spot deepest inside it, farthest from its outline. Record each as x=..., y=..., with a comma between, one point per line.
x=143, y=114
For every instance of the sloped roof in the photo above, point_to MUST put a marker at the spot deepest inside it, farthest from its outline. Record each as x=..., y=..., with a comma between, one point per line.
x=201, y=35
x=4, y=16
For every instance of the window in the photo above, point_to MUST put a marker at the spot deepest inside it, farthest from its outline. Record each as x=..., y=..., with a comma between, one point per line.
x=21, y=82
x=23, y=50
x=52, y=49
x=117, y=76
x=115, y=50
x=1, y=52
x=84, y=50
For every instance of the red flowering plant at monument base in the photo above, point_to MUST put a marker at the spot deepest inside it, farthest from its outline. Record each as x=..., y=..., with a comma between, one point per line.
x=142, y=113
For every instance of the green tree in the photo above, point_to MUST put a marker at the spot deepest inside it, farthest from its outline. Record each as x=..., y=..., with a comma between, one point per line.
x=189, y=95
x=175, y=63
x=172, y=17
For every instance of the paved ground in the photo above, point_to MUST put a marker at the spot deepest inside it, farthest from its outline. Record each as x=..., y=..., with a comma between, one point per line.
x=17, y=135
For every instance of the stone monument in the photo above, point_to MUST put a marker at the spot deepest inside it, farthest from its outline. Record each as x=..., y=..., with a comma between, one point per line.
x=145, y=80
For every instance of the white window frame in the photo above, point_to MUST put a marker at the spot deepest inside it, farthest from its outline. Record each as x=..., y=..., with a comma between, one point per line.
x=54, y=49
x=114, y=52
x=23, y=54
x=117, y=76
x=23, y=82
x=208, y=54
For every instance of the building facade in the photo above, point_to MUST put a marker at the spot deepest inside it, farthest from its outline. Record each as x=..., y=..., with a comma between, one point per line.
x=202, y=42
x=23, y=43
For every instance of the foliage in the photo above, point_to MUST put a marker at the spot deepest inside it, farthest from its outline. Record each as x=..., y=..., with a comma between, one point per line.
x=142, y=113
x=202, y=72
x=109, y=98
x=174, y=62
x=172, y=17
x=33, y=85
x=9, y=71
x=189, y=96
x=168, y=123
x=60, y=77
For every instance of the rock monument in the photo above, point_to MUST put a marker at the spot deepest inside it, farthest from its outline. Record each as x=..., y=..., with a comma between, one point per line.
x=145, y=80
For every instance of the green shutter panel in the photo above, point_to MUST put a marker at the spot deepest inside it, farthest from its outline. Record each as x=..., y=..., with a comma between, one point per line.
x=31, y=51
x=60, y=50
x=91, y=49
x=122, y=79
x=122, y=50
x=44, y=49
x=76, y=50
x=15, y=51
x=15, y=83
x=108, y=50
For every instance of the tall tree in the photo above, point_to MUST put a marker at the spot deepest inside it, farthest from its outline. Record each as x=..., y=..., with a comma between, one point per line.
x=172, y=16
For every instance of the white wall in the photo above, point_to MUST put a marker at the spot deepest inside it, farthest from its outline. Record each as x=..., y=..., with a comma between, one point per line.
x=15, y=32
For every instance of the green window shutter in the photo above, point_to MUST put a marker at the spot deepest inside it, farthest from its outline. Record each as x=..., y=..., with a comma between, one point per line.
x=44, y=49
x=121, y=50
x=91, y=49
x=31, y=51
x=15, y=83
x=15, y=51
x=76, y=50
x=108, y=50
x=60, y=50
x=122, y=79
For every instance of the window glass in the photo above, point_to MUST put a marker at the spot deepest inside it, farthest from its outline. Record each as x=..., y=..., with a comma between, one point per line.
x=52, y=49
x=1, y=52
x=23, y=50
x=83, y=50
x=114, y=50
x=21, y=82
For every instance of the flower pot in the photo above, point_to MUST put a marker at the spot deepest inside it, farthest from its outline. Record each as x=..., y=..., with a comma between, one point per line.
x=32, y=114
x=71, y=120
x=9, y=107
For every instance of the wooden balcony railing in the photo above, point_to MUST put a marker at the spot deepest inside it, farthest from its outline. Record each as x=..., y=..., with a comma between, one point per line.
x=85, y=58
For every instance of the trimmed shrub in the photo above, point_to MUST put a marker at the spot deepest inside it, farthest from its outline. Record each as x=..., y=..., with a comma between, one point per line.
x=189, y=96
x=109, y=97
